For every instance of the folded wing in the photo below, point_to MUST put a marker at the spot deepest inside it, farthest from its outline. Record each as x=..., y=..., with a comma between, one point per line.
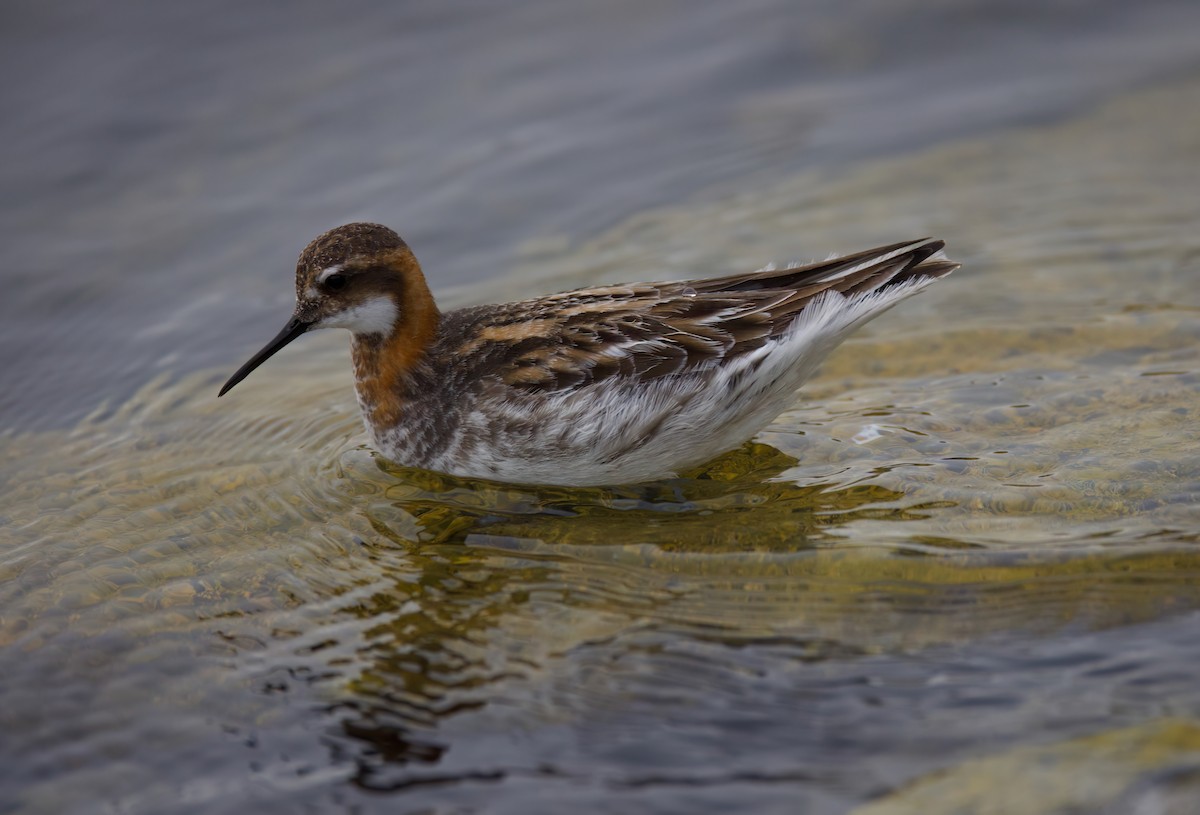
x=570, y=340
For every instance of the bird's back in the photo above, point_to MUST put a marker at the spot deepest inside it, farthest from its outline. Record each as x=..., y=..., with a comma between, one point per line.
x=637, y=381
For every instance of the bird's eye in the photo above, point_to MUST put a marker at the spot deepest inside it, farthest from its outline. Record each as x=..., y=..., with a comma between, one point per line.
x=335, y=282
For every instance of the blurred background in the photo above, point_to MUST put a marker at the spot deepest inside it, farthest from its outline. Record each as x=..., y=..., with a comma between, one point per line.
x=168, y=162
x=961, y=575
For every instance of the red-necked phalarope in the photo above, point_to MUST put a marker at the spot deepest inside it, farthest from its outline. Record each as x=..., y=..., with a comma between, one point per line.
x=607, y=385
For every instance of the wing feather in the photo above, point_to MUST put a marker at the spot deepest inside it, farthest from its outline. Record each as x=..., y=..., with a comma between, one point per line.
x=649, y=330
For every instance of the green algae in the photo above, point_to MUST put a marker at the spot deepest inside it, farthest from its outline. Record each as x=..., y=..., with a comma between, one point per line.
x=1097, y=773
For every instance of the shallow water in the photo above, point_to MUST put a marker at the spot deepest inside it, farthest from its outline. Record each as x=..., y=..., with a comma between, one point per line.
x=967, y=555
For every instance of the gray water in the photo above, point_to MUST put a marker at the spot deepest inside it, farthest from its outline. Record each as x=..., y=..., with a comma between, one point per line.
x=166, y=162
x=960, y=575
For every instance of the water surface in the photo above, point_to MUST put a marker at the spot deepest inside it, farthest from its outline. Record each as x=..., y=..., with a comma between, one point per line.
x=967, y=554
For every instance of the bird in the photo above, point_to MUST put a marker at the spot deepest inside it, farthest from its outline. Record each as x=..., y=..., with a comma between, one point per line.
x=609, y=385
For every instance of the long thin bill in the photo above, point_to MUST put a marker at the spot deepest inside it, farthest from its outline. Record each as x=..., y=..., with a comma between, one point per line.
x=293, y=329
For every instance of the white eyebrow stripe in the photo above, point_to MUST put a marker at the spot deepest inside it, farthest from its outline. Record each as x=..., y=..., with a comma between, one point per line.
x=329, y=270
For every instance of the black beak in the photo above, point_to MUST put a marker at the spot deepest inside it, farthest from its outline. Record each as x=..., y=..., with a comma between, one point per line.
x=293, y=329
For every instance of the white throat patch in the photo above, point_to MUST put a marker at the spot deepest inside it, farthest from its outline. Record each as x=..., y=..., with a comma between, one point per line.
x=375, y=316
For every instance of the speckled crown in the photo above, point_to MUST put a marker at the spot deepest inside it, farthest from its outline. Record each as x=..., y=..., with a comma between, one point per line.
x=346, y=241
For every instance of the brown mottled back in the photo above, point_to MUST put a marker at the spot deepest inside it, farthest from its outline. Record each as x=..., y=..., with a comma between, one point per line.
x=644, y=330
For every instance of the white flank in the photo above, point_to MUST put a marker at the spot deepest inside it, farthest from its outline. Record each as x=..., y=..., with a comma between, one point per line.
x=375, y=316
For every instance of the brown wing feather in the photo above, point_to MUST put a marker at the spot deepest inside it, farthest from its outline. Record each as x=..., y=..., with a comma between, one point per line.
x=648, y=330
